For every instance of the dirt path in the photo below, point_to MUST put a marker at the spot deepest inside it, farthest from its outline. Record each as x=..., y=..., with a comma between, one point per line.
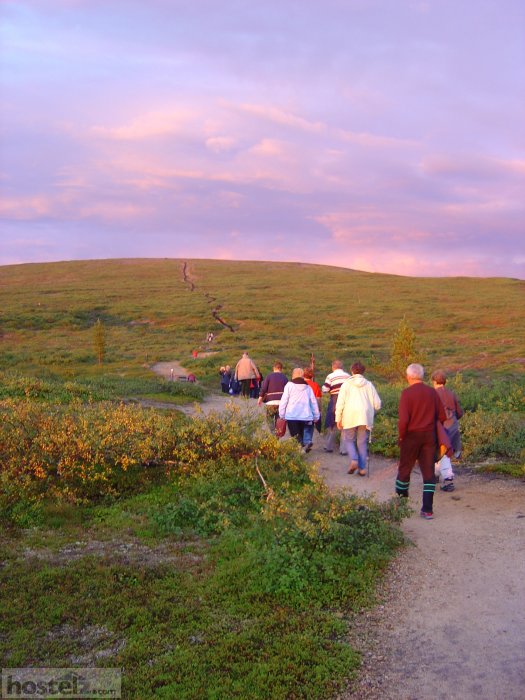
x=451, y=622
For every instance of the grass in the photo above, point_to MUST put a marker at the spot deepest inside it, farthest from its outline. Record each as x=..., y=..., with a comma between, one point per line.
x=282, y=310
x=196, y=585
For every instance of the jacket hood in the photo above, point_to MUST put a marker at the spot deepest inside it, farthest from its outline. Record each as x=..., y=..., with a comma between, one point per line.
x=358, y=380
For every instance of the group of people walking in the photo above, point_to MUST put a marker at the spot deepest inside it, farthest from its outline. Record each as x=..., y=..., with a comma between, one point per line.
x=428, y=417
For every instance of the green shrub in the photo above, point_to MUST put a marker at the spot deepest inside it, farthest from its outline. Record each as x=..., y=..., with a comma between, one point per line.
x=491, y=434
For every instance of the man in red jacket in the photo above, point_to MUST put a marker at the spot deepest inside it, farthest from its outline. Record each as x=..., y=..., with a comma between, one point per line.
x=419, y=409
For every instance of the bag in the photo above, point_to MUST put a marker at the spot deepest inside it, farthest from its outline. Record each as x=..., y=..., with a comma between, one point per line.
x=443, y=440
x=280, y=427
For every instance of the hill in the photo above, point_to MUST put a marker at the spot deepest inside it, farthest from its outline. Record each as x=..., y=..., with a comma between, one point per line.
x=156, y=310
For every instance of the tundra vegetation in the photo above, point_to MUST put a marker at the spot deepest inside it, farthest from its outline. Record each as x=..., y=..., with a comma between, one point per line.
x=140, y=538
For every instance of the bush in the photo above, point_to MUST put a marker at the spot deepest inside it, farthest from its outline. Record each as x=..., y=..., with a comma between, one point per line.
x=491, y=434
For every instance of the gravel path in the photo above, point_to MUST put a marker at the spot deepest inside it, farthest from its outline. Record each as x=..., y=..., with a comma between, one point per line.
x=450, y=624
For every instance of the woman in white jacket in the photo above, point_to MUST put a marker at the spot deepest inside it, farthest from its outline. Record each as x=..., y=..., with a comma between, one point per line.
x=299, y=407
x=356, y=405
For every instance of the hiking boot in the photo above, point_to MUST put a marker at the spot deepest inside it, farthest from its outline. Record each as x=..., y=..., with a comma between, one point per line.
x=353, y=467
x=327, y=449
x=448, y=485
x=426, y=515
x=362, y=472
x=308, y=447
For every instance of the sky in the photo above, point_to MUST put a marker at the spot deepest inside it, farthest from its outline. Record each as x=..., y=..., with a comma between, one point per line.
x=378, y=135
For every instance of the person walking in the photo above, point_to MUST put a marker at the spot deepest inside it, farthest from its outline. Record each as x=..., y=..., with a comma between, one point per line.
x=453, y=412
x=226, y=375
x=332, y=384
x=245, y=371
x=419, y=410
x=271, y=392
x=309, y=379
x=298, y=406
x=355, y=408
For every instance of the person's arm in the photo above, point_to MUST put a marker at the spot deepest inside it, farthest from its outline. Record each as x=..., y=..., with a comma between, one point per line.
x=376, y=400
x=459, y=410
x=404, y=416
x=339, y=407
x=314, y=405
x=284, y=402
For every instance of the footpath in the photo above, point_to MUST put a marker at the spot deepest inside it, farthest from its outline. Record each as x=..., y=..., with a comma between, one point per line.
x=450, y=620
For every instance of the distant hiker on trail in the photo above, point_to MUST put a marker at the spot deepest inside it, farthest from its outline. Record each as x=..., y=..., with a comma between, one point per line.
x=245, y=371
x=271, y=392
x=332, y=384
x=309, y=379
x=299, y=408
x=453, y=412
x=226, y=376
x=419, y=410
x=355, y=408
x=210, y=337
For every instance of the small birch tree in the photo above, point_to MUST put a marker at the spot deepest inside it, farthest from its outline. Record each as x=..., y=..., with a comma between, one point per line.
x=99, y=338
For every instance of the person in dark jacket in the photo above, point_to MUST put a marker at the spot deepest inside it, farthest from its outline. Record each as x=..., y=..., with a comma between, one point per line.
x=271, y=392
x=419, y=409
x=226, y=377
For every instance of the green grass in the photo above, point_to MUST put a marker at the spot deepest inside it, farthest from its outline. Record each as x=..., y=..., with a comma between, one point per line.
x=281, y=310
x=220, y=594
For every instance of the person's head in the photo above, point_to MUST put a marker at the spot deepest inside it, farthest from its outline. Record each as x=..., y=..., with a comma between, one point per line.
x=227, y=368
x=358, y=368
x=337, y=364
x=308, y=373
x=222, y=369
x=297, y=372
x=415, y=372
x=245, y=353
x=439, y=377
x=277, y=366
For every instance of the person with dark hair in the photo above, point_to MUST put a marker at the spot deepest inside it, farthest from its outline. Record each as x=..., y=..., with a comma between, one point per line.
x=453, y=412
x=332, y=384
x=419, y=410
x=271, y=392
x=357, y=403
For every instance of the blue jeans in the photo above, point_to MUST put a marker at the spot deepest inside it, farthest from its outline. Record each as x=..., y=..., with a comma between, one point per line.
x=356, y=443
x=302, y=431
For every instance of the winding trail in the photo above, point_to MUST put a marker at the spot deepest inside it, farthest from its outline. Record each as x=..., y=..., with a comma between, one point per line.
x=450, y=623
x=210, y=299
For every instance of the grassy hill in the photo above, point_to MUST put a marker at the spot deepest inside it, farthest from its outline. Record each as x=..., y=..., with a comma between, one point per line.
x=156, y=310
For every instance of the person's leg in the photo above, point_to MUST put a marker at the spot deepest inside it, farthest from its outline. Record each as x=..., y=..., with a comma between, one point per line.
x=362, y=447
x=295, y=429
x=271, y=416
x=330, y=439
x=426, y=457
x=245, y=386
x=348, y=437
x=308, y=435
x=407, y=458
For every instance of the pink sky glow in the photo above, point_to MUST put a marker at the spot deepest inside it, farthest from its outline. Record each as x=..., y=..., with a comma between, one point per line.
x=370, y=134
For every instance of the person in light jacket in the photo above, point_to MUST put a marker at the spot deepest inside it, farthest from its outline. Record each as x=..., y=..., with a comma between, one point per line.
x=356, y=405
x=298, y=406
x=245, y=371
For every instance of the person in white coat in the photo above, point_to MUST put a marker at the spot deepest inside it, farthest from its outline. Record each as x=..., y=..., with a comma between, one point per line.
x=357, y=403
x=299, y=407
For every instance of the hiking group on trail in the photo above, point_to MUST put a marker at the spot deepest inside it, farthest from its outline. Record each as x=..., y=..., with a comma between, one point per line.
x=428, y=428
